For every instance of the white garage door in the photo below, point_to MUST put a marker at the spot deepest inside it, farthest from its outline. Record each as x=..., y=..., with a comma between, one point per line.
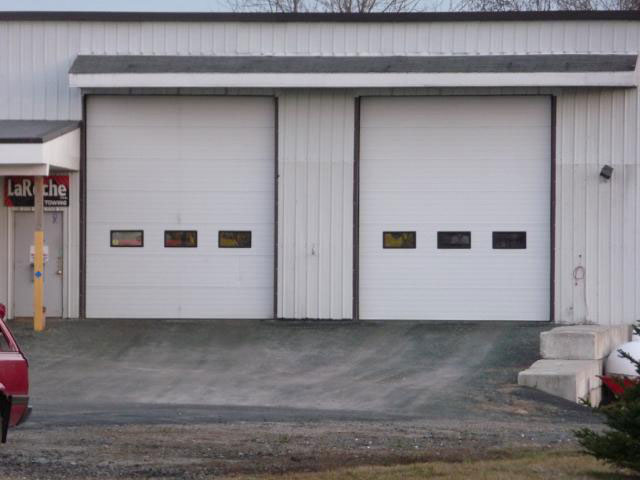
x=180, y=165
x=466, y=181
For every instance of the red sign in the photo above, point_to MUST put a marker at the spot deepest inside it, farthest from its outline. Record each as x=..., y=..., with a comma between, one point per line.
x=18, y=191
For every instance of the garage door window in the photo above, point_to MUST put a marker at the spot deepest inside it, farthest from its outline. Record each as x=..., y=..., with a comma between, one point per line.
x=234, y=239
x=399, y=240
x=454, y=240
x=509, y=240
x=180, y=238
x=127, y=238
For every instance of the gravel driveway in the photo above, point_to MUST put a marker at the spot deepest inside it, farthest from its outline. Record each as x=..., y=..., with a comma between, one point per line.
x=193, y=399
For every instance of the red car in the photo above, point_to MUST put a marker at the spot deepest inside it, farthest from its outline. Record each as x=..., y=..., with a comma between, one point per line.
x=14, y=380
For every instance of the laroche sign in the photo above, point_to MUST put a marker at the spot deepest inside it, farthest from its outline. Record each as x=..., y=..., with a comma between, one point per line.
x=18, y=191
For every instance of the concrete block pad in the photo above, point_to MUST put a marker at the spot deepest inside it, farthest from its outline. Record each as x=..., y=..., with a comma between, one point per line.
x=619, y=334
x=573, y=380
x=582, y=342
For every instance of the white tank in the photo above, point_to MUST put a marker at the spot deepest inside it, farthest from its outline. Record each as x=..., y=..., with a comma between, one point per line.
x=621, y=366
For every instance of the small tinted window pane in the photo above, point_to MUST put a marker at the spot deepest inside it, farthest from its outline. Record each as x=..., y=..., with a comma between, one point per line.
x=181, y=238
x=509, y=240
x=399, y=239
x=234, y=239
x=454, y=240
x=127, y=238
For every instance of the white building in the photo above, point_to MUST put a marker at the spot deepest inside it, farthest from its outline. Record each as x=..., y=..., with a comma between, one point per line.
x=319, y=166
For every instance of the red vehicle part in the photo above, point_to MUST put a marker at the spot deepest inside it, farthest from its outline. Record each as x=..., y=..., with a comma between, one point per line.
x=14, y=379
x=618, y=385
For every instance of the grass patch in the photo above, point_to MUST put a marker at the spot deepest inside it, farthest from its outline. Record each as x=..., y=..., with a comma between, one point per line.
x=521, y=466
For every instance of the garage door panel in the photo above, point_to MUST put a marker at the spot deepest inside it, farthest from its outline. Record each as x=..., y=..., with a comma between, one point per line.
x=191, y=111
x=153, y=166
x=188, y=208
x=141, y=111
x=497, y=143
x=508, y=112
x=220, y=175
x=397, y=175
x=230, y=112
x=457, y=265
x=411, y=304
x=410, y=207
x=171, y=142
x=436, y=164
x=177, y=272
x=123, y=142
x=190, y=303
x=456, y=286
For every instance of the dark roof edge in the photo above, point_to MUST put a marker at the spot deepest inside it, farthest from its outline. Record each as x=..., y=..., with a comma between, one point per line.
x=150, y=64
x=59, y=128
x=320, y=17
x=70, y=127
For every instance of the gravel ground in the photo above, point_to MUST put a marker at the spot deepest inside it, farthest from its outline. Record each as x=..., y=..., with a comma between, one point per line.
x=211, y=450
x=201, y=399
x=194, y=445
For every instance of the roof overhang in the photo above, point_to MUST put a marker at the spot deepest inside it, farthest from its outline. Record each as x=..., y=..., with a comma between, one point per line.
x=107, y=71
x=37, y=147
x=315, y=17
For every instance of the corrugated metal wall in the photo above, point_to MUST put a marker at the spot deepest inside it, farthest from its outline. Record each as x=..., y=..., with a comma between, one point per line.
x=35, y=56
x=599, y=221
x=315, y=204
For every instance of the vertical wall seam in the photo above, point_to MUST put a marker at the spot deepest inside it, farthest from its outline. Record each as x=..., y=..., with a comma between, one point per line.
x=276, y=199
x=331, y=242
x=573, y=165
x=306, y=257
x=355, y=294
x=294, y=215
x=283, y=116
x=610, y=286
x=622, y=195
x=319, y=249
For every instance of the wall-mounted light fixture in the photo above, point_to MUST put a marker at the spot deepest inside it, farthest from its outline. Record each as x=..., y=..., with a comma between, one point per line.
x=606, y=172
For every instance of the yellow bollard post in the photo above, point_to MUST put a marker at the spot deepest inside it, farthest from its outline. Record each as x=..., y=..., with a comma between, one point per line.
x=38, y=261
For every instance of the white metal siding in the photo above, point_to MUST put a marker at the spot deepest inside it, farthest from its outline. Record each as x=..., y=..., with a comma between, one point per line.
x=478, y=164
x=180, y=163
x=598, y=221
x=35, y=56
x=315, y=208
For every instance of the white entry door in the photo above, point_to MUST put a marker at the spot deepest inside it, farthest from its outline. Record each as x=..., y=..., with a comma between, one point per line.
x=24, y=224
x=180, y=206
x=455, y=208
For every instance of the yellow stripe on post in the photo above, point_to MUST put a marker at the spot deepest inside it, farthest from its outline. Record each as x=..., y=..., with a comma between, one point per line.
x=38, y=260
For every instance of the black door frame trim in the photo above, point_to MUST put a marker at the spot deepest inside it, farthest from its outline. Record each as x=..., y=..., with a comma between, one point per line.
x=276, y=181
x=552, y=206
x=82, y=270
x=356, y=211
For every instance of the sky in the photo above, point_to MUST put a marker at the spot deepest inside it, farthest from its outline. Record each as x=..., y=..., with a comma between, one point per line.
x=125, y=5
x=116, y=5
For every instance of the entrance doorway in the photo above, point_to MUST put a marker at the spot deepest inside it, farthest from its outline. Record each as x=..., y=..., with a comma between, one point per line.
x=24, y=224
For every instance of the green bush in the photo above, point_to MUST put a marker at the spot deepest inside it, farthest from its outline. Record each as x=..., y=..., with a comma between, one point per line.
x=620, y=445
